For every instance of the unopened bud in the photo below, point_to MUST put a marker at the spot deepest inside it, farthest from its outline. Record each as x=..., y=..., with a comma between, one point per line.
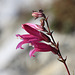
x=42, y=22
x=37, y=14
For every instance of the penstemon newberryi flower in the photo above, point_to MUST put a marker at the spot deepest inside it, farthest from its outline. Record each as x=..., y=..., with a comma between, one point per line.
x=36, y=36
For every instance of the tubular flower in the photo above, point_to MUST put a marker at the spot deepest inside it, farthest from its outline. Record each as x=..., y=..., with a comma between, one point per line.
x=33, y=36
x=42, y=47
x=34, y=31
x=35, y=26
x=27, y=39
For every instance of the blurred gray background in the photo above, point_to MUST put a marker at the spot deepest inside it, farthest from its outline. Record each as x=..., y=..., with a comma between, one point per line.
x=13, y=13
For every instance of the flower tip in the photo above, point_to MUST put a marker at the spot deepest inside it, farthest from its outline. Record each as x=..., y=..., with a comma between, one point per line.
x=22, y=26
x=37, y=14
x=16, y=47
x=17, y=35
x=31, y=53
x=32, y=56
x=19, y=47
x=33, y=14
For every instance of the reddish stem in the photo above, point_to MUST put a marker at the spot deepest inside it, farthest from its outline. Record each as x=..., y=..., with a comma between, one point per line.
x=48, y=26
x=46, y=22
x=67, y=68
x=64, y=62
x=54, y=43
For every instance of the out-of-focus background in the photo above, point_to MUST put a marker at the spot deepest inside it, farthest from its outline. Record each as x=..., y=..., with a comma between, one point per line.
x=13, y=13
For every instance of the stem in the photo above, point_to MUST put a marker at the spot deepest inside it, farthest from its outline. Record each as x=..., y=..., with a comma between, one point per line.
x=47, y=26
x=53, y=39
x=64, y=62
x=54, y=43
x=46, y=22
x=67, y=68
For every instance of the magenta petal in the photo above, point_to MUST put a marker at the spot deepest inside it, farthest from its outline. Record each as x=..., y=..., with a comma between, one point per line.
x=31, y=30
x=42, y=47
x=31, y=53
x=17, y=35
x=37, y=27
x=44, y=37
x=20, y=44
x=27, y=36
x=35, y=32
x=27, y=39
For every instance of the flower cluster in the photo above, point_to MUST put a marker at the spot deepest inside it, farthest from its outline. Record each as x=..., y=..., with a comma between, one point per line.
x=36, y=35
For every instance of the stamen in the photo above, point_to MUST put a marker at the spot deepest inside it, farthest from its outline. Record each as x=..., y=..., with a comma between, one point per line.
x=20, y=38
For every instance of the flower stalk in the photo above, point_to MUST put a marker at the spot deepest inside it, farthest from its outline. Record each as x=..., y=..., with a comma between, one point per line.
x=35, y=38
x=54, y=43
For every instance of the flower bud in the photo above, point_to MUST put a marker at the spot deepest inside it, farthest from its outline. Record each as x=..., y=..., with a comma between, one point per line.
x=42, y=22
x=37, y=14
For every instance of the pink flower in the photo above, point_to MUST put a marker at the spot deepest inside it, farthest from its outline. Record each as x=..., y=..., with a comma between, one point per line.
x=35, y=26
x=42, y=47
x=33, y=36
x=37, y=14
x=27, y=39
x=33, y=30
